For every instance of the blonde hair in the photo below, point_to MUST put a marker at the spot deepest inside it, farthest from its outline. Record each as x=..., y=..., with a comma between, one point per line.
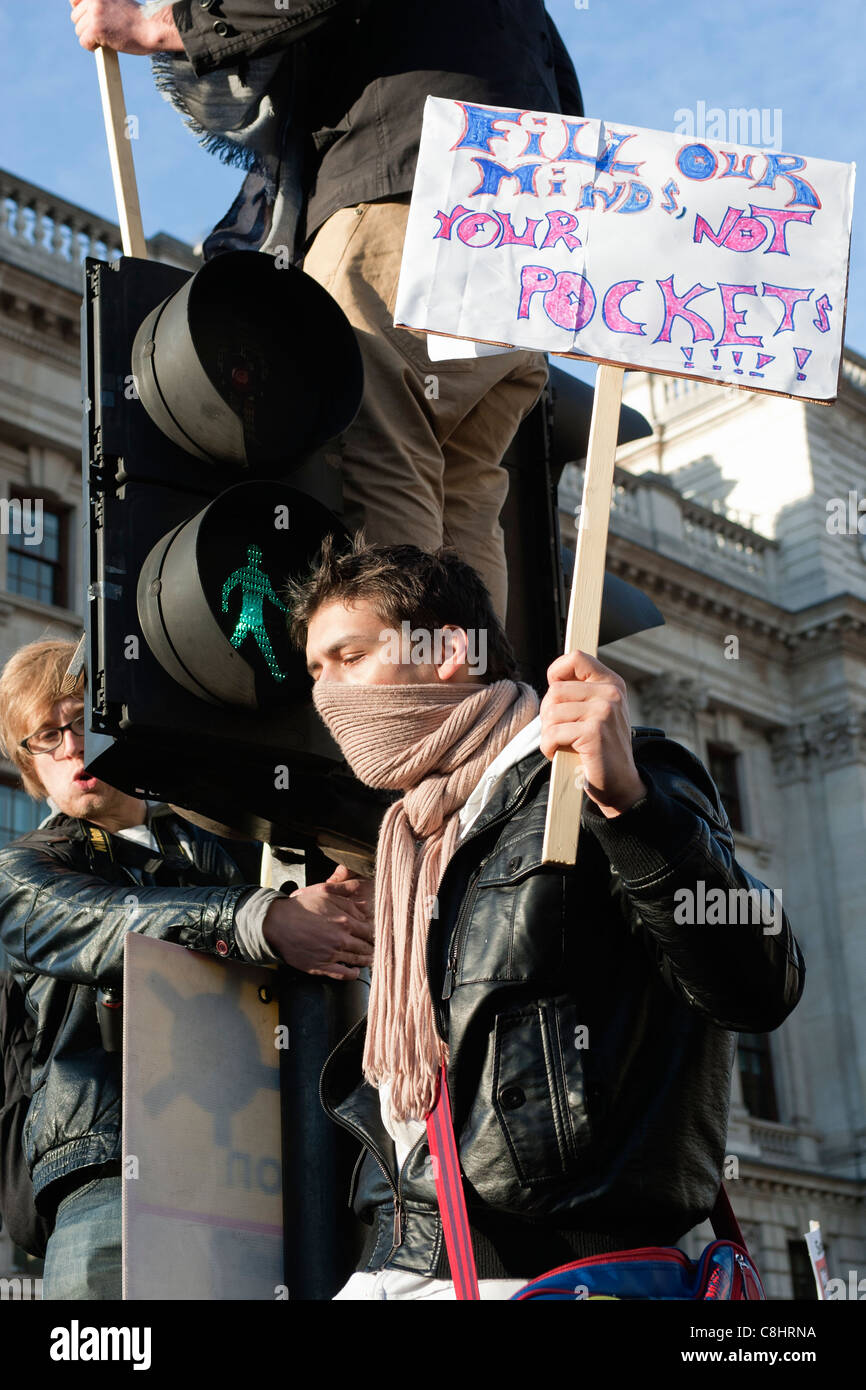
x=29, y=688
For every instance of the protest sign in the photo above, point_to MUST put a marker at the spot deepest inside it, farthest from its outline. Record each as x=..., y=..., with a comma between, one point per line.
x=817, y=1257
x=634, y=247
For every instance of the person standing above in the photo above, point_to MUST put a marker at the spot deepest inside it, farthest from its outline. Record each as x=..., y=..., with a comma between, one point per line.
x=422, y=461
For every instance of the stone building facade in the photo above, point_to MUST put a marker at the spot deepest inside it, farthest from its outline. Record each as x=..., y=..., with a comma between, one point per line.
x=739, y=517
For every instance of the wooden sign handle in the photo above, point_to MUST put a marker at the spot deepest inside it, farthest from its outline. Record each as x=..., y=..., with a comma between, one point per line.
x=562, y=825
x=120, y=153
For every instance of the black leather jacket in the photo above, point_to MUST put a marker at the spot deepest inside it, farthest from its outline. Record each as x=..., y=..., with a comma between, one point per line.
x=67, y=900
x=575, y=1142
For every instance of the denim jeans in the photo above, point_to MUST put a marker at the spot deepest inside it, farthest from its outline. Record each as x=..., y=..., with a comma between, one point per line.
x=83, y=1258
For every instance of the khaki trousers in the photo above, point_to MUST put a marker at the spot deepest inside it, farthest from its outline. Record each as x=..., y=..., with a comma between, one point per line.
x=421, y=462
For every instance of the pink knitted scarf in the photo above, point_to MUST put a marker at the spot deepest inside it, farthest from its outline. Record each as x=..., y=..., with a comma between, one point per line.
x=433, y=742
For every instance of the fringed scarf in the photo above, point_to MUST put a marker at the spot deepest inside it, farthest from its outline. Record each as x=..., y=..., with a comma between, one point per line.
x=433, y=742
x=246, y=115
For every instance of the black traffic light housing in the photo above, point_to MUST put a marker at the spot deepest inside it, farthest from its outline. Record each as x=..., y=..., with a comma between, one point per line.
x=554, y=433
x=205, y=396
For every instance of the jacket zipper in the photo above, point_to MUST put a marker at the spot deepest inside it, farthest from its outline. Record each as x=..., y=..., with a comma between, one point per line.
x=450, y=973
x=398, y=1203
x=459, y=933
x=397, y=1189
x=355, y=1129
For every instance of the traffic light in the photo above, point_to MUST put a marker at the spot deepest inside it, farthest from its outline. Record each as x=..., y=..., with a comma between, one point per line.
x=554, y=433
x=207, y=398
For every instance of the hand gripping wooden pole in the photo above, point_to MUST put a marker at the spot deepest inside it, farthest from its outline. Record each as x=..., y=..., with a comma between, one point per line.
x=120, y=153
x=562, y=826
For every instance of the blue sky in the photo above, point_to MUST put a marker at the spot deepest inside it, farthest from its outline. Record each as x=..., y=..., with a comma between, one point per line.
x=637, y=62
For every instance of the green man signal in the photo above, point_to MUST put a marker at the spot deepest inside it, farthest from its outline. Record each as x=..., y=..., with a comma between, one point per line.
x=255, y=588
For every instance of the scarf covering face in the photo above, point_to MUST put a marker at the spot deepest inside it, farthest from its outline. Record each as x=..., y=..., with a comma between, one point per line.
x=434, y=743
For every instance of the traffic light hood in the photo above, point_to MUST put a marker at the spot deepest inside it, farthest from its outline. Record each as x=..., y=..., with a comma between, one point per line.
x=248, y=364
x=572, y=414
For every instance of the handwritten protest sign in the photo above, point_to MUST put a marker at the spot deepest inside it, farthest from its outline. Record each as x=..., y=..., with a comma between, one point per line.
x=628, y=246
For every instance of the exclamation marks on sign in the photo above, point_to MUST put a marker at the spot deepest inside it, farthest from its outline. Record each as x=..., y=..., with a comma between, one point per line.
x=802, y=355
x=687, y=354
x=714, y=353
x=738, y=357
x=763, y=359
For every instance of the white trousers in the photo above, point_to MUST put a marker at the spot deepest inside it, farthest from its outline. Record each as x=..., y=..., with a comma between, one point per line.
x=398, y=1283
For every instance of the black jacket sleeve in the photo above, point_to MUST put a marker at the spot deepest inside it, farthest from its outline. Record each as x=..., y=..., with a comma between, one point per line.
x=570, y=98
x=720, y=937
x=219, y=33
x=72, y=925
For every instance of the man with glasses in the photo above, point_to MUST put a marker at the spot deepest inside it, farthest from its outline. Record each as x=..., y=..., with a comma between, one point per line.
x=102, y=864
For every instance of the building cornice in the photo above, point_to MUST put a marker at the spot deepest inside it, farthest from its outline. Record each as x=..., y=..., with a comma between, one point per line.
x=835, y=624
x=776, y=1181
x=38, y=316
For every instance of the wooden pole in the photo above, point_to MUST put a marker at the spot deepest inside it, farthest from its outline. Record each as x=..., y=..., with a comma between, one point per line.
x=120, y=153
x=562, y=826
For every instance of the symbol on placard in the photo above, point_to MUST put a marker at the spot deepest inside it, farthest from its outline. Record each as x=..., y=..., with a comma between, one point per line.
x=802, y=355
x=669, y=192
x=680, y=214
x=714, y=353
x=763, y=359
x=218, y=1093
x=687, y=354
x=824, y=307
x=738, y=357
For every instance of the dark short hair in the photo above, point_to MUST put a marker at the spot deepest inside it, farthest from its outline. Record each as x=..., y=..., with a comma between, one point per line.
x=403, y=584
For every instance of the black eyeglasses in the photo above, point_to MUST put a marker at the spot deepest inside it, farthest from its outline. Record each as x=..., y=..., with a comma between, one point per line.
x=46, y=740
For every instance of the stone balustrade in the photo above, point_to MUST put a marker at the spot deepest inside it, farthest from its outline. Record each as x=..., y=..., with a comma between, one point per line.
x=778, y=1143
x=649, y=510
x=51, y=237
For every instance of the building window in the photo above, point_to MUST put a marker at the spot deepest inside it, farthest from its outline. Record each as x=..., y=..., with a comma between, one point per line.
x=802, y=1276
x=39, y=571
x=724, y=770
x=18, y=812
x=756, y=1073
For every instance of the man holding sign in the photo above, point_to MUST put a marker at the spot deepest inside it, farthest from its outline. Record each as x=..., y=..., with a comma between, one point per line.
x=586, y=1022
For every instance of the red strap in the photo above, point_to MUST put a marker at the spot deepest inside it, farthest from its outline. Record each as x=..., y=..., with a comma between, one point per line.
x=452, y=1203
x=723, y=1221
x=449, y=1191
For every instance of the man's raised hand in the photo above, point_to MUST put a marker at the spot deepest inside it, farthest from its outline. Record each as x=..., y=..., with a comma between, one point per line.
x=325, y=928
x=585, y=711
x=121, y=25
